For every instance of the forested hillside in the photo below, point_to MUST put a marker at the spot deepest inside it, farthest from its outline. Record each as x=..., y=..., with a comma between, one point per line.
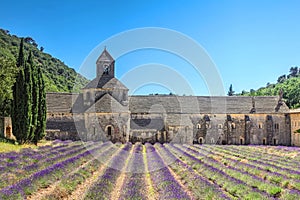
x=58, y=76
x=290, y=84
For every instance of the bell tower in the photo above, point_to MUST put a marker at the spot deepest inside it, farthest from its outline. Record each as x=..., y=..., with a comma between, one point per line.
x=105, y=65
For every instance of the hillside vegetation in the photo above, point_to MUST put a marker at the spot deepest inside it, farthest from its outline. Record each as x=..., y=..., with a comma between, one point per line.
x=290, y=84
x=58, y=76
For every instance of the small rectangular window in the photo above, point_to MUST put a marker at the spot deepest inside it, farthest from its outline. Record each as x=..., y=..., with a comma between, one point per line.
x=109, y=131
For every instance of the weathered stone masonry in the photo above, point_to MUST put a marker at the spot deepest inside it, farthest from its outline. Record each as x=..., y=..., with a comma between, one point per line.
x=104, y=111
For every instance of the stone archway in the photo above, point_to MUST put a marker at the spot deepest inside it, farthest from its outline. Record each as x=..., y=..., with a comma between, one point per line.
x=200, y=140
x=242, y=141
x=109, y=131
x=8, y=132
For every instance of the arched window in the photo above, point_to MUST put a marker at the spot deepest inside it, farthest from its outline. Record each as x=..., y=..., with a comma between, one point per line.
x=105, y=69
x=260, y=125
x=233, y=125
x=220, y=126
x=207, y=125
x=198, y=126
x=201, y=140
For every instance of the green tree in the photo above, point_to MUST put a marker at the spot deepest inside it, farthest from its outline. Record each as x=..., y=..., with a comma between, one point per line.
x=51, y=67
x=35, y=96
x=27, y=105
x=22, y=108
x=8, y=73
x=42, y=108
x=18, y=98
x=293, y=72
x=281, y=79
x=230, y=92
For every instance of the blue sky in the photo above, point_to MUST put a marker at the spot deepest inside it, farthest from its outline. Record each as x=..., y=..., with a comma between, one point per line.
x=250, y=42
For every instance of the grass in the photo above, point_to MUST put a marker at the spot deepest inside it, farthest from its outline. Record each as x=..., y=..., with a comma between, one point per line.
x=7, y=147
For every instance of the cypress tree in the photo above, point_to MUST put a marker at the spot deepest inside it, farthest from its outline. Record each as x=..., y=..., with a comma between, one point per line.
x=230, y=92
x=17, y=107
x=42, y=108
x=27, y=127
x=21, y=58
x=35, y=97
x=18, y=98
x=29, y=101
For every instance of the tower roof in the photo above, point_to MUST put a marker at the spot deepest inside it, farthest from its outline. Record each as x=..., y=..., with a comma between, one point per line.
x=105, y=83
x=105, y=56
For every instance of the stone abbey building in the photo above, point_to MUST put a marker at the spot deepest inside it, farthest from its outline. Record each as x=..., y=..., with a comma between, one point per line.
x=104, y=111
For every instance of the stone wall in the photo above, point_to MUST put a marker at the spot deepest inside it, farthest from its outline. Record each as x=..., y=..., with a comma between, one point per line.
x=60, y=102
x=61, y=126
x=295, y=125
x=251, y=120
x=107, y=126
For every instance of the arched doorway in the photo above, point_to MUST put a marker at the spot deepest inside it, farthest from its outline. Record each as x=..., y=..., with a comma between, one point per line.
x=8, y=131
x=264, y=141
x=109, y=132
x=241, y=141
x=201, y=140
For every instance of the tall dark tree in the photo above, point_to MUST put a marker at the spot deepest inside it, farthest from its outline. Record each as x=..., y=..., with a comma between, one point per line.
x=25, y=99
x=293, y=72
x=27, y=106
x=21, y=58
x=35, y=96
x=18, y=104
x=230, y=92
x=42, y=108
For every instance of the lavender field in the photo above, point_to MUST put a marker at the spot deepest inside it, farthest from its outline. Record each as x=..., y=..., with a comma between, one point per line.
x=93, y=170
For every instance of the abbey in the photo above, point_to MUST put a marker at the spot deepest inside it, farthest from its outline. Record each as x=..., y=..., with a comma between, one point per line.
x=104, y=111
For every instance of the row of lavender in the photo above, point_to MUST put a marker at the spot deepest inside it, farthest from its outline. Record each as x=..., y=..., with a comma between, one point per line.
x=245, y=173
x=169, y=171
x=151, y=172
x=35, y=169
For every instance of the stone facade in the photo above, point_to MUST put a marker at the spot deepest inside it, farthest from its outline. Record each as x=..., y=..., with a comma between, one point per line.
x=104, y=111
x=295, y=126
